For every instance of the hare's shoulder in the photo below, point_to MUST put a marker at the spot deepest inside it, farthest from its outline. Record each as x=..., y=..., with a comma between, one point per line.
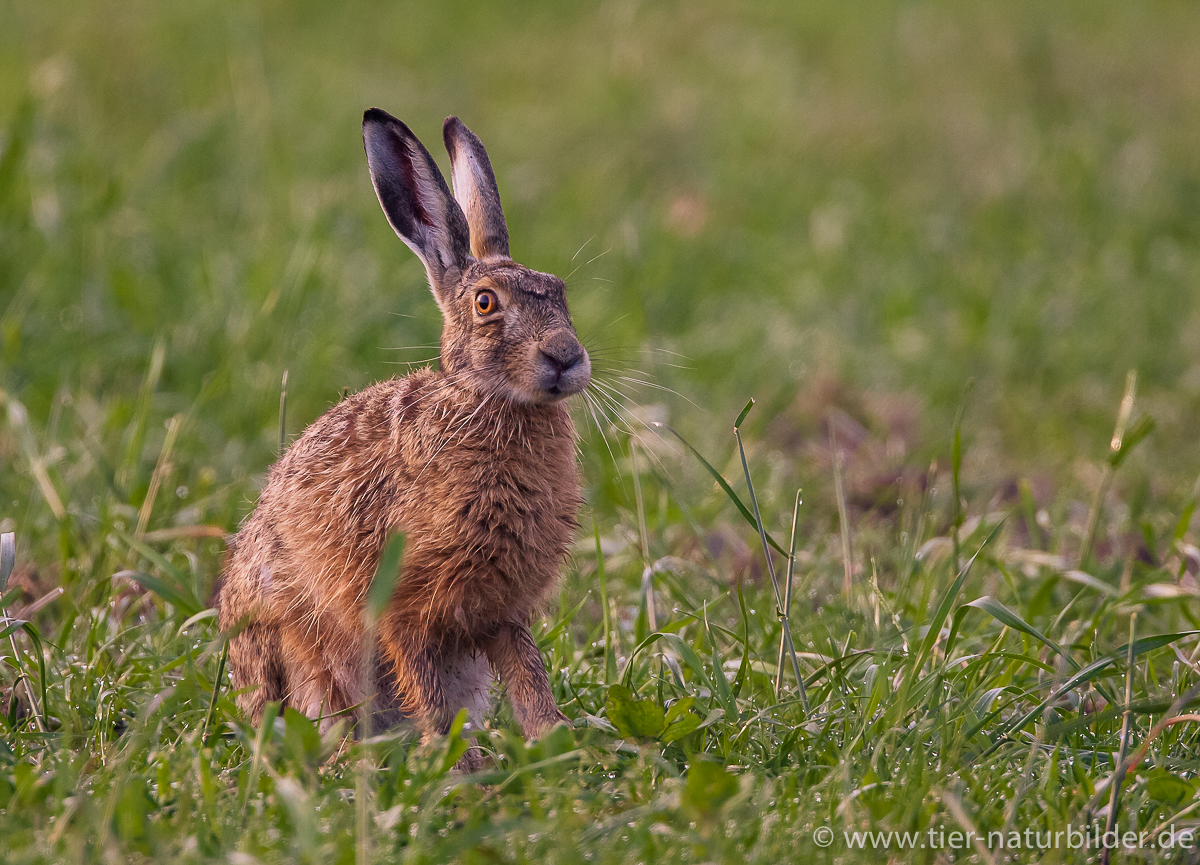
x=362, y=426
x=343, y=469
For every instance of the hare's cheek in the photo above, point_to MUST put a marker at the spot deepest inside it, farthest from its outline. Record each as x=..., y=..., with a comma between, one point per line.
x=520, y=375
x=523, y=381
x=509, y=365
x=525, y=363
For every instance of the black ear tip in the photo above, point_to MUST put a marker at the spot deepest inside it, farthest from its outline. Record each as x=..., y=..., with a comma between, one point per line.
x=377, y=115
x=449, y=132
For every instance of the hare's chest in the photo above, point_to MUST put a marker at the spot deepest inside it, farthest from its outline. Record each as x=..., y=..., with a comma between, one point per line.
x=523, y=511
x=490, y=507
x=489, y=543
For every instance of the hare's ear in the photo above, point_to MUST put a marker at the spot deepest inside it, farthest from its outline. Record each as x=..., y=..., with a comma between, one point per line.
x=475, y=189
x=415, y=198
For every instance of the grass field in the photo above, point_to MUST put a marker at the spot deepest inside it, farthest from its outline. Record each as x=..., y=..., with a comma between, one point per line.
x=930, y=239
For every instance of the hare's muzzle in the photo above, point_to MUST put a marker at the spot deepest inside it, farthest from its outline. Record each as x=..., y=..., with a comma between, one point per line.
x=563, y=366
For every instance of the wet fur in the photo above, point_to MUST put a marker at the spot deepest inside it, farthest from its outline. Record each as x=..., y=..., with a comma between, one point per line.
x=474, y=463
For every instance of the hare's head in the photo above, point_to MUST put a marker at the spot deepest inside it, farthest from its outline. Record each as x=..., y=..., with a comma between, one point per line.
x=507, y=330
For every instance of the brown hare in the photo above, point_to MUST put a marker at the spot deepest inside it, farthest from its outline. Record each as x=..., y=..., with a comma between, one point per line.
x=474, y=462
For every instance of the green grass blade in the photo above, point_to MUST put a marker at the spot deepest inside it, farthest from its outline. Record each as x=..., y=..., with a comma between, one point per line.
x=40, y=655
x=1006, y=616
x=11, y=626
x=692, y=660
x=1132, y=438
x=742, y=416
x=956, y=467
x=8, y=558
x=176, y=596
x=1114, y=801
x=739, y=681
x=265, y=730
x=216, y=690
x=564, y=622
x=176, y=583
x=1082, y=677
x=610, y=654
x=723, y=484
x=387, y=577
x=935, y=624
x=1148, y=644
x=645, y=643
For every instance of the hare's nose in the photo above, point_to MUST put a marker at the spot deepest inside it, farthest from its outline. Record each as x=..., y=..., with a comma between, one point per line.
x=562, y=351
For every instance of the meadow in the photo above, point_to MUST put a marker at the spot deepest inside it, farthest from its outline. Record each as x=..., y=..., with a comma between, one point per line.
x=951, y=252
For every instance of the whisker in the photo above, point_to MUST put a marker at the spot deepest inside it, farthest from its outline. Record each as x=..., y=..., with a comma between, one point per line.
x=411, y=363
x=601, y=255
x=615, y=406
x=628, y=429
x=599, y=428
x=611, y=390
x=656, y=387
x=612, y=322
x=585, y=243
x=584, y=264
x=659, y=349
x=609, y=410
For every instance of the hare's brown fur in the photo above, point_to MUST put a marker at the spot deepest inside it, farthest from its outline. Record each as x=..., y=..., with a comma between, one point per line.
x=474, y=463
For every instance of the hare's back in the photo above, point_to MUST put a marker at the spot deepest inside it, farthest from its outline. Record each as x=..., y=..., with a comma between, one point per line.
x=325, y=513
x=361, y=433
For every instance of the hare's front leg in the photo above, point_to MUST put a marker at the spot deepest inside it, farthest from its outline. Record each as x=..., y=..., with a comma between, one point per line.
x=257, y=666
x=422, y=688
x=419, y=683
x=518, y=664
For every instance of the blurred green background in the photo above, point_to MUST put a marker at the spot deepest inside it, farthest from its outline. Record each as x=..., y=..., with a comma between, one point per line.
x=847, y=211
x=815, y=204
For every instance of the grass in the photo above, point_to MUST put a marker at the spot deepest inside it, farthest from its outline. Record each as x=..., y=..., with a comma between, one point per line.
x=846, y=215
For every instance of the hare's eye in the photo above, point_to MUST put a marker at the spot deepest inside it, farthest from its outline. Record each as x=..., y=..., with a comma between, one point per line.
x=485, y=302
